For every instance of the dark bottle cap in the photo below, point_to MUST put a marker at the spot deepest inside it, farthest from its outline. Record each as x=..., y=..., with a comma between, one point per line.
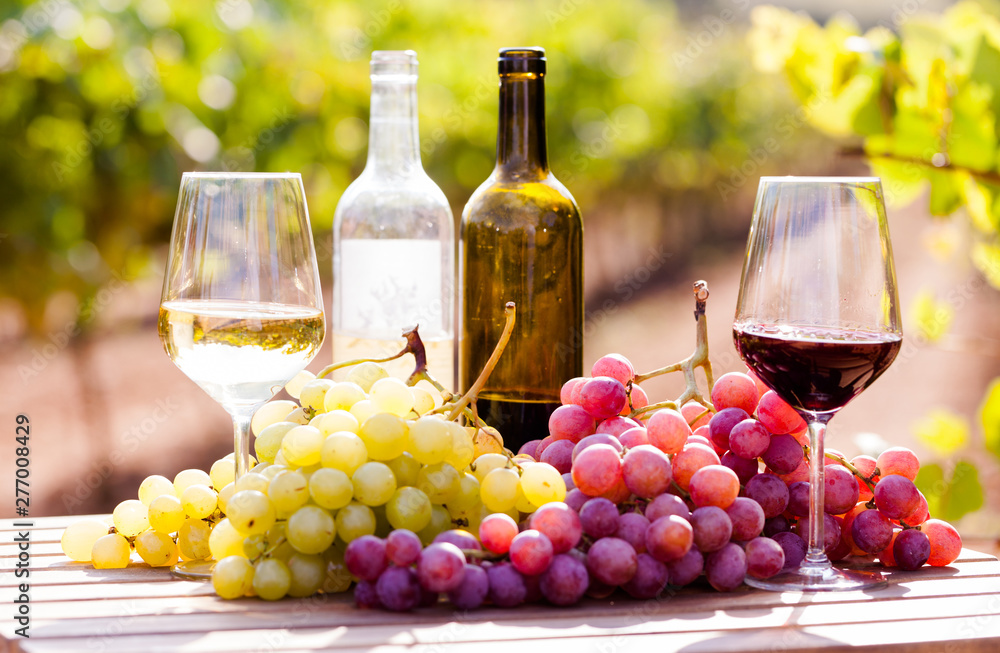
x=521, y=60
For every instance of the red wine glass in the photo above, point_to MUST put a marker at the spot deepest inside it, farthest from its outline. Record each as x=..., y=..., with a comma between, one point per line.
x=817, y=320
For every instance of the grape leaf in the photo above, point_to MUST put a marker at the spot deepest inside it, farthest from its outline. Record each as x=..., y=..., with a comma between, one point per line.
x=989, y=413
x=986, y=258
x=952, y=498
x=978, y=202
x=931, y=317
x=946, y=192
x=943, y=431
x=900, y=185
x=972, y=141
x=984, y=70
x=930, y=481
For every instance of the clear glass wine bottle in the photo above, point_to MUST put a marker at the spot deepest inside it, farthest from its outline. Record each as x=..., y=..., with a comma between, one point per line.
x=394, y=238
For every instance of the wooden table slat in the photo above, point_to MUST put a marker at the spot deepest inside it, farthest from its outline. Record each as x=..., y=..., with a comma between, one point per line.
x=75, y=607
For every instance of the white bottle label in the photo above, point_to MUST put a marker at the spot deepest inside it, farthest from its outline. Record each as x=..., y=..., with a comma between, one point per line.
x=387, y=285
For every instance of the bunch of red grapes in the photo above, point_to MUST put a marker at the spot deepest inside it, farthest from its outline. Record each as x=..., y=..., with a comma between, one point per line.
x=659, y=501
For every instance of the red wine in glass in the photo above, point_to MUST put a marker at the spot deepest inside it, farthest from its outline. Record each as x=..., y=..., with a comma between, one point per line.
x=814, y=368
x=817, y=320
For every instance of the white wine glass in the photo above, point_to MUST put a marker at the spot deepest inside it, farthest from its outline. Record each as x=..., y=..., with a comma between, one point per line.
x=241, y=311
x=817, y=320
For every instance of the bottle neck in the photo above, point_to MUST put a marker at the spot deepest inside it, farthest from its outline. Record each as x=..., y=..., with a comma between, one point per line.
x=521, y=149
x=393, y=135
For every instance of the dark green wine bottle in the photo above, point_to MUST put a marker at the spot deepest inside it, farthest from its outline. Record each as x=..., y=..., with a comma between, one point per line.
x=521, y=241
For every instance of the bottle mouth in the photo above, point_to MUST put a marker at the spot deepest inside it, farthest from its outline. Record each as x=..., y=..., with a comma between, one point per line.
x=521, y=60
x=394, y=63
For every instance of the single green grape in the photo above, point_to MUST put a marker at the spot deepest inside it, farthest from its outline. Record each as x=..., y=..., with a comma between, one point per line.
x=110, y=552
x=440, y=482
x=166, y=514
x=225, y=540
x=542, y=483
x=268, y=442
x=302, y=446
x=297, y=382
x=440, y=522
x=373, y=483
x=222, y=473
x=423, y=400
x=78, y=539
x=154, y=486
x=335, y=420
x=366, y=374
x=486, y=463
x=288, y=491
x=462, y=450
x=430, y=440
x=522, y=503
x=224, y=495
x=392, y=396
x=384, y=435
x=338, y=578
x=363, y=410
x=405, y=468
x=189, y=477
x=341, y=396
x=499, y=489
x=250, y=512
x=310, y=529
x=232, y=577
x=271, y=413
x=409, y=508
x=343, y=450
x=253, y=481
x=354, y=520
x=192, y=539
x=131, y=517
x=156, y=549
x=271, y=579
x=468, y=495
x=199, y=501
x=330, y=488
x=312, y=394
x=308, y=572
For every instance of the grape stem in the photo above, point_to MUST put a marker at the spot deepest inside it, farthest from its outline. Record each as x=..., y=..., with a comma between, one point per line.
x=414, y=345
x=688, y=366
x=849, y=465
x=510, y=313
x=271, y=549
x=680, y=491
x=482, y=555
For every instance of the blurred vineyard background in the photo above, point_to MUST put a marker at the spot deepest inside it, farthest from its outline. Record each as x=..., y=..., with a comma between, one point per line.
x=661, y=117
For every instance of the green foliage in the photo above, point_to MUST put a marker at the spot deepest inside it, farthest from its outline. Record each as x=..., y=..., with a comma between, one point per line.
x=931, y=317
x=101, y=110
x=924, y=104
x=943, y=431
x=989, y=413
x=953, y=497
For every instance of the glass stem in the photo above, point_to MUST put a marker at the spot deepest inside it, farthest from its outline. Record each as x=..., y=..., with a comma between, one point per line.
x=816, y=561
x=241, y=438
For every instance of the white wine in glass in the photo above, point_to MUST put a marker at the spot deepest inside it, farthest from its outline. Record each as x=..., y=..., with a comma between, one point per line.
x=817, y=320
x=241, y=311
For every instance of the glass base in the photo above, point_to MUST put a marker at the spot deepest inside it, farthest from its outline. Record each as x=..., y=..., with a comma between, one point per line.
x=829, y=579
x=194, y=569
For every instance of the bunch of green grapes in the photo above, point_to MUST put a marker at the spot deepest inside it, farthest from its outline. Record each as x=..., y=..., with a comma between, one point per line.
x=170, y=521
x=359, y=457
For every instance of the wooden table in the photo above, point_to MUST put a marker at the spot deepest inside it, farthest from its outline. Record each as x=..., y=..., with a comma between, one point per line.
x=77, y=608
